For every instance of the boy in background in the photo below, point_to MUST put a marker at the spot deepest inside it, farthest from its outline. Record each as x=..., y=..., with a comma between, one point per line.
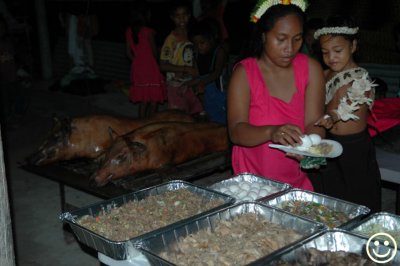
x=176, y=60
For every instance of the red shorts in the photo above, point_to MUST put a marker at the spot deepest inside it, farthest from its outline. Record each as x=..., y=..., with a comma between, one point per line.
x=183, y=98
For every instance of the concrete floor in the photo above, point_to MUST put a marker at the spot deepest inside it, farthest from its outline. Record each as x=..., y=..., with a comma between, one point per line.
x=39, y=237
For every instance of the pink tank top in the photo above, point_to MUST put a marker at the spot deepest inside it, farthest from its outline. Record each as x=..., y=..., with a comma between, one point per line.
x=262, y=160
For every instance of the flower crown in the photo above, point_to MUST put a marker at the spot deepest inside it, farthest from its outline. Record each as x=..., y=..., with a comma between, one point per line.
x=264, y=5
x=335, y=30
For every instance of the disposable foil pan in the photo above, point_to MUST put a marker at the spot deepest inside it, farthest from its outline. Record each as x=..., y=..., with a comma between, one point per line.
x=273, y=187
x=119, y=249
x=354, y=211
x=381, y=222
x=167, y=239
x=332, y=240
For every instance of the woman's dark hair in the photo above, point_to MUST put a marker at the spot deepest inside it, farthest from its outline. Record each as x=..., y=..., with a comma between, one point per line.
x=266, y=23
x=138, y=16
x=342, y=21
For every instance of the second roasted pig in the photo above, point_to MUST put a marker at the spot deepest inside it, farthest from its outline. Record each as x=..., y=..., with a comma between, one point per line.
x=157, y=145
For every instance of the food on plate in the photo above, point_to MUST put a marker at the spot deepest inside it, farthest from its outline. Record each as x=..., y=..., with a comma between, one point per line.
x=321, y=149
x=239, y=241
x=315, y=211
x=312, y=143
x=315, y=139
x=305, y=143
x=137, y=217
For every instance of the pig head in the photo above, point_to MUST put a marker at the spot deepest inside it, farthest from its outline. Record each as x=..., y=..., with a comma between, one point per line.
x=157, y=145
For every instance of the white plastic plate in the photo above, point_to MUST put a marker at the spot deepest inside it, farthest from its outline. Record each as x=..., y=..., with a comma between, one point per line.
x=336, y=151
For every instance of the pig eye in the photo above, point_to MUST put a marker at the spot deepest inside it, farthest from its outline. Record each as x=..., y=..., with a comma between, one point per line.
x=121, y=157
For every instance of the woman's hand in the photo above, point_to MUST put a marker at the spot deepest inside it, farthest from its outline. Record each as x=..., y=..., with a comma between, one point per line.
x=287, y=135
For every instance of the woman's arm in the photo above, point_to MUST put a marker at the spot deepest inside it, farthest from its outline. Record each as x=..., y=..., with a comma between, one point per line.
x=315, y=98
x=240, y=131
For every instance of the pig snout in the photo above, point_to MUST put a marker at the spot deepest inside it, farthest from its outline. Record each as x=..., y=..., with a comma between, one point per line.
x=110, y=169
x=100, y=178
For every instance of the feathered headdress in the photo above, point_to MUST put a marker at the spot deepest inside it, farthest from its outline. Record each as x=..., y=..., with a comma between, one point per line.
x=264, y=5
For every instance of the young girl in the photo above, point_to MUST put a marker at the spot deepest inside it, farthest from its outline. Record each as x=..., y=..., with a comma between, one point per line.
x=211, y=60
x=354, y=176
x=274, y=95
x=148, y=84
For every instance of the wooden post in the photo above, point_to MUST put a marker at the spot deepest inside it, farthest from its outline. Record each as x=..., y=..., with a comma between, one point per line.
x=43, y=36
x=6, y=238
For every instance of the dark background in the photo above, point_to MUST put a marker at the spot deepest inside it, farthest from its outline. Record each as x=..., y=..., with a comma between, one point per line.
x=376, y=18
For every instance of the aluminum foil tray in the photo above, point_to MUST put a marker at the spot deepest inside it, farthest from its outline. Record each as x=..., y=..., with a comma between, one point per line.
x=167, y=240
x=381, y=222
x=119, y=249
x=263, y=187
x=331, y=240
x=354, y=211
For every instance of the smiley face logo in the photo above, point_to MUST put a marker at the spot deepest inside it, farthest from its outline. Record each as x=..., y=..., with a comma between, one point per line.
x=372, y=248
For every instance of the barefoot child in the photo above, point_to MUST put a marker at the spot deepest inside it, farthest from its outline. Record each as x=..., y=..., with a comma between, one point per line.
x=354, y=176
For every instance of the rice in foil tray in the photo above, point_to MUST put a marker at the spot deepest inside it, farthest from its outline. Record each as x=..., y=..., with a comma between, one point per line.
x=235, y=235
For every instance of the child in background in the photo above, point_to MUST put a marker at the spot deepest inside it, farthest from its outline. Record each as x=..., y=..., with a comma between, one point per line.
x=148, y=83
x=176, y=61
x=211, y=60
x=354, y=176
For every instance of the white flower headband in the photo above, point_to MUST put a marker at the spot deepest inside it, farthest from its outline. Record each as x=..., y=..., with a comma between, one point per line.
x=335, y=30
x=264, y=5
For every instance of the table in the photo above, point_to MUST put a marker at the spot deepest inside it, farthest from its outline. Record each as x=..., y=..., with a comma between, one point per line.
x=76, y=174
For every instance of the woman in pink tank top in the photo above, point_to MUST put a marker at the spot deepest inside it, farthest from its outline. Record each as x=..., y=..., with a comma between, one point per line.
x=275, y=96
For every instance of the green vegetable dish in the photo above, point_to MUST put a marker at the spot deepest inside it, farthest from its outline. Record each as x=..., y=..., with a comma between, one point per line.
x=315, y=211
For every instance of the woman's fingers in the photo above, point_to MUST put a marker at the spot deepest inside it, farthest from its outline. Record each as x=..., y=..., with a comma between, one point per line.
x=290, y=135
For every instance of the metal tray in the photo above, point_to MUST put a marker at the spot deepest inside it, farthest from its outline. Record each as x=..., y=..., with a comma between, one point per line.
x=331, y=240
x=119, y=249
x=354, y=211
x=168, y=238
x=380, y=222
x=274, y=187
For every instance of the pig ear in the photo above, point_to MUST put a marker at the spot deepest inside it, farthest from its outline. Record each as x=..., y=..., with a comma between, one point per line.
x=136, y=146
x=112, y=133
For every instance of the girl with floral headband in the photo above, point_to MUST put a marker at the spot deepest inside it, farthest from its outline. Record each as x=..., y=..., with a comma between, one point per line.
x=354, y=176
x=275, y=95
